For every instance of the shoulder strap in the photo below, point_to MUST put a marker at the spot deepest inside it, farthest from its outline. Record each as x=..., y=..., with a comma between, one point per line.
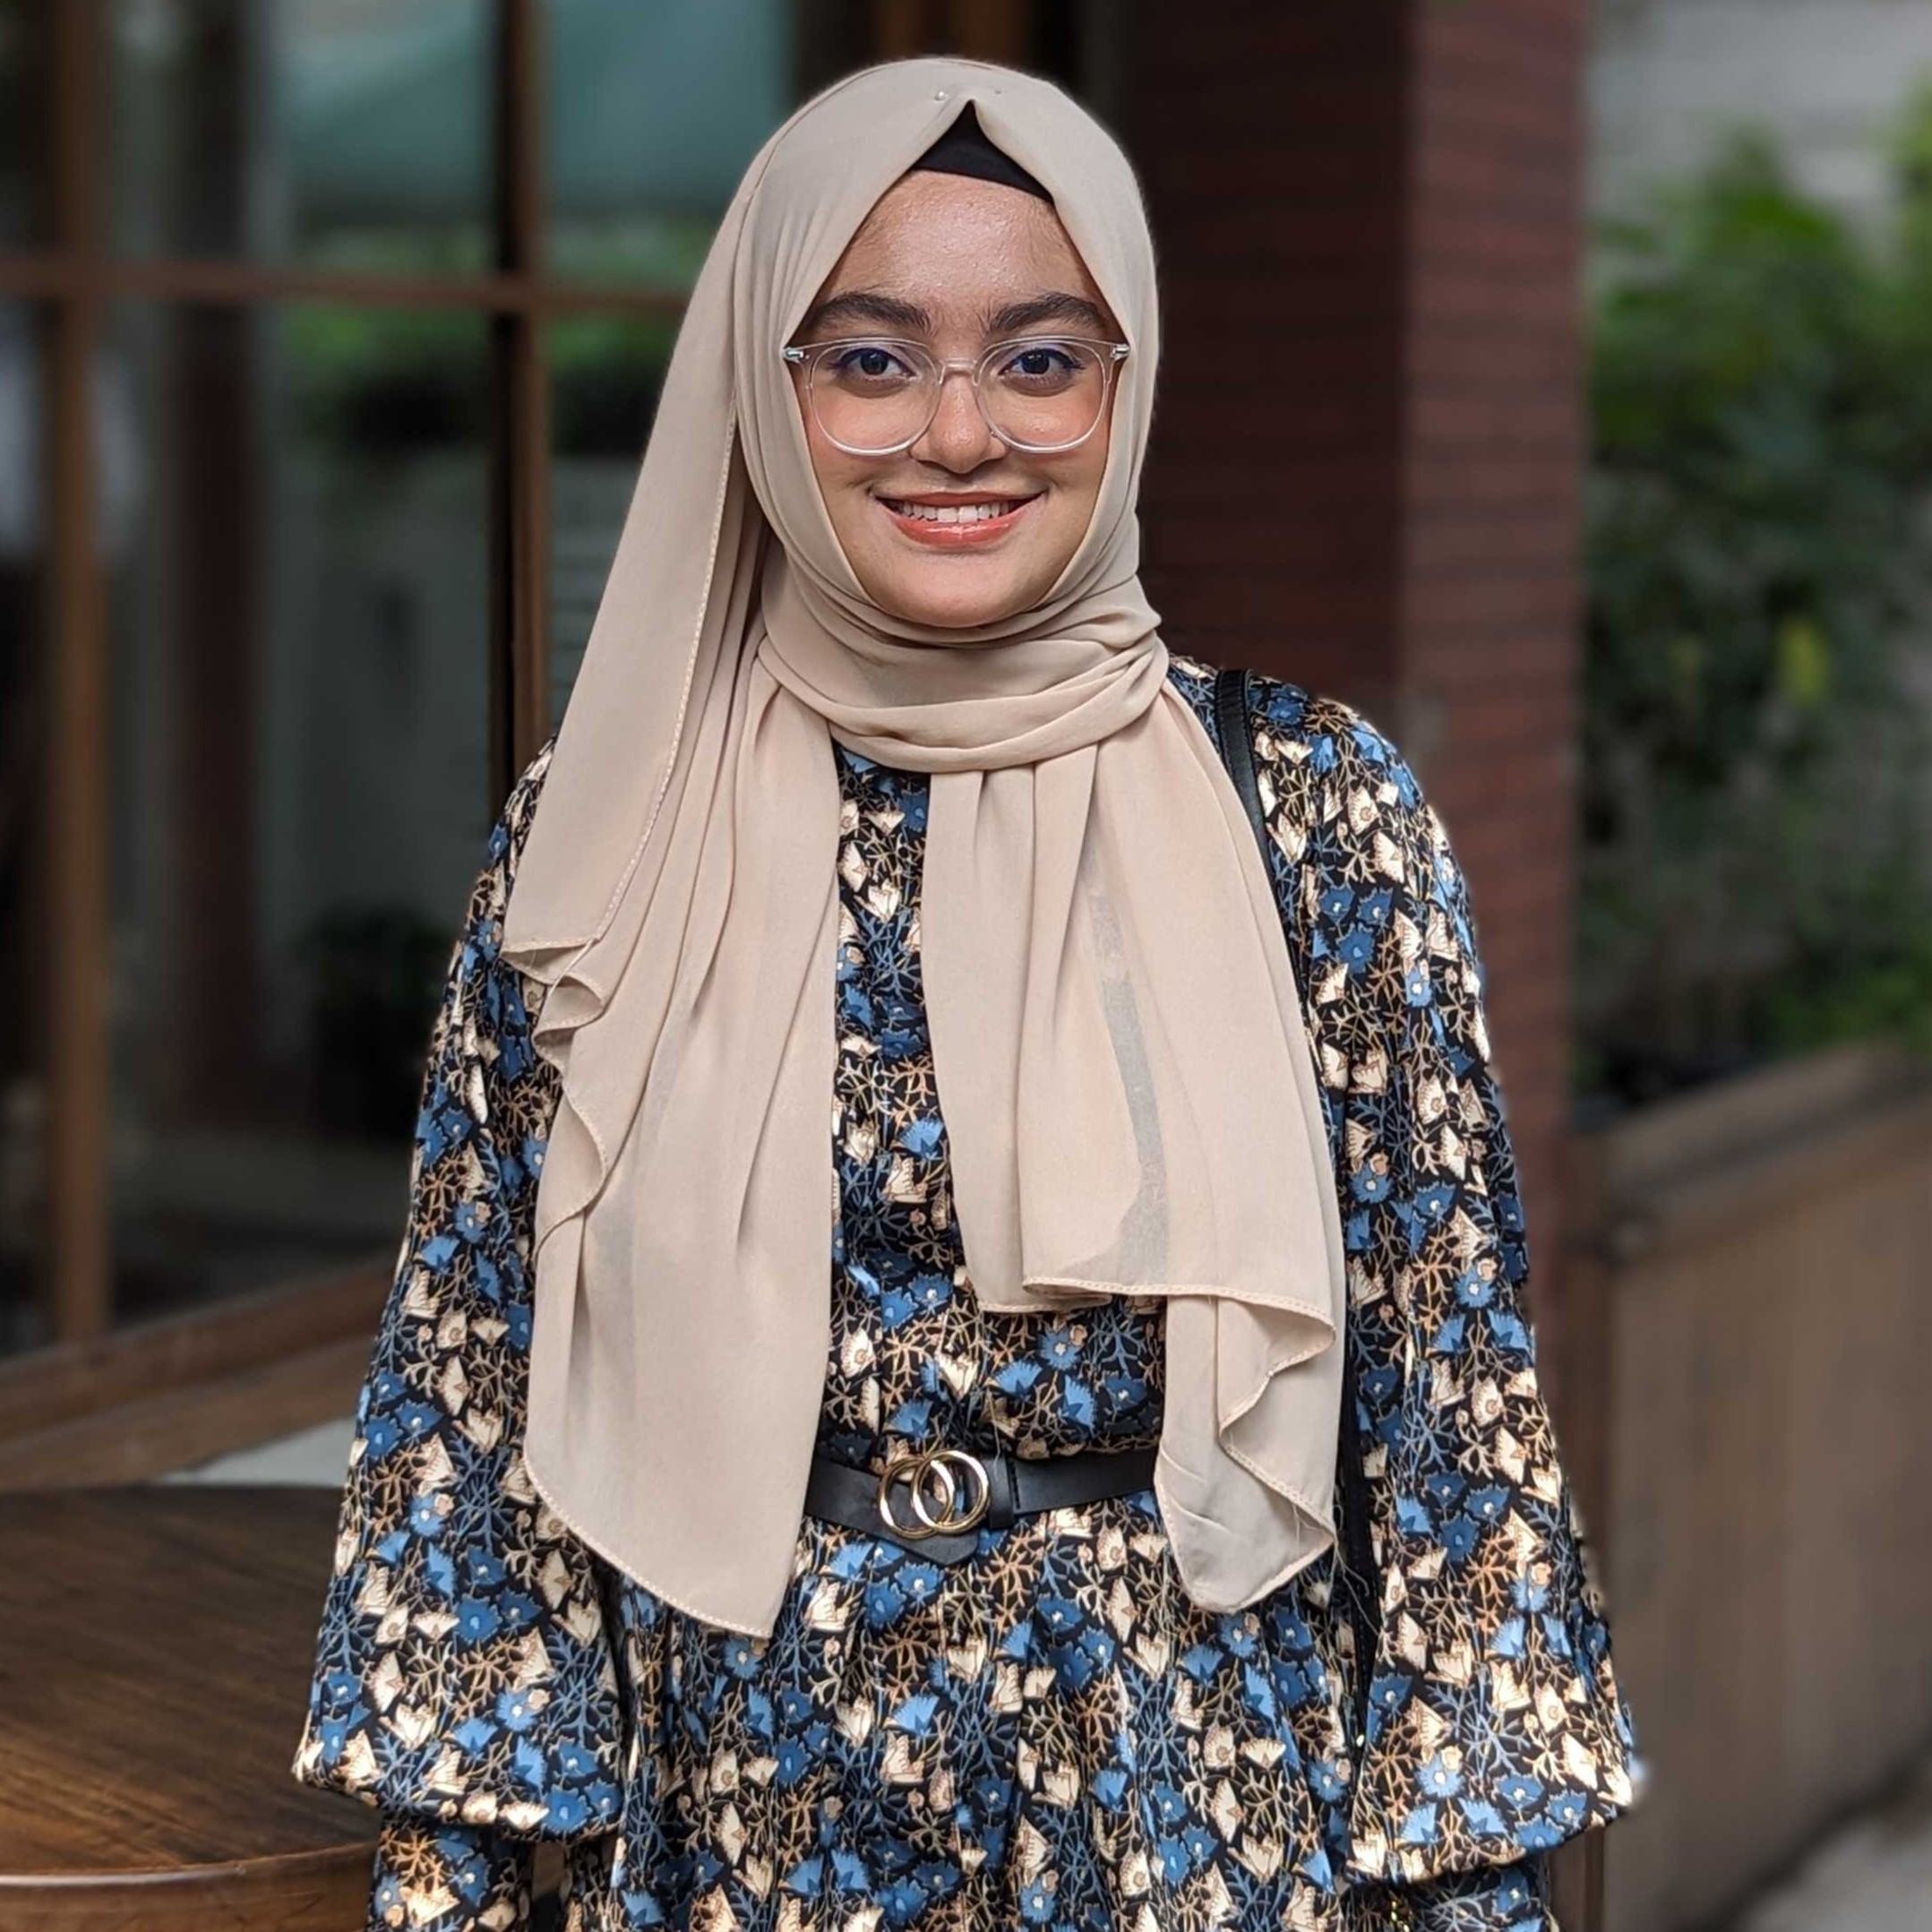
x=1363, y=1590
x=1237, y=748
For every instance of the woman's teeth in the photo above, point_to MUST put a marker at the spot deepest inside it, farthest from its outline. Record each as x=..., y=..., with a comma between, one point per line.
x=953, y=513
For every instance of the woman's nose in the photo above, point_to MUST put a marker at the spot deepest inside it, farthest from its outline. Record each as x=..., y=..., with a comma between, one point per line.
x=958, y=437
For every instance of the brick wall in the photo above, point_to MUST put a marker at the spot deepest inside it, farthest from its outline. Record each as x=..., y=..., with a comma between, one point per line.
x=1270, y=142
x=1374, y=211
x=1493, y=456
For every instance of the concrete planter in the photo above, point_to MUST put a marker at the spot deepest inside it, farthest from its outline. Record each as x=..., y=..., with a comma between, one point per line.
x=1752, y=1278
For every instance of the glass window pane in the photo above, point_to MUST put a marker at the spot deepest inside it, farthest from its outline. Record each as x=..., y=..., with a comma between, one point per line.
x=25, y=1287
x=605, y=372
x=352, y=133
x=653, y=112
x=302, y=793
x=23, y=127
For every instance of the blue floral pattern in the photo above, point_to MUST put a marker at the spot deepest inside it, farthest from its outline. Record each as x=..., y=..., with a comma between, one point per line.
x=1051, y=1733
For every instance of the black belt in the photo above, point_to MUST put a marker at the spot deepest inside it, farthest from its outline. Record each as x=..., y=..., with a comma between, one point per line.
x=958, y=1491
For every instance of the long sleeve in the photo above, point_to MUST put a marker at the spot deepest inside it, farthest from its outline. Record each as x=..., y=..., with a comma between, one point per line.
x=1495, y=1726
x=464, y=1681
x=448, y=1876
x=1488, y=1898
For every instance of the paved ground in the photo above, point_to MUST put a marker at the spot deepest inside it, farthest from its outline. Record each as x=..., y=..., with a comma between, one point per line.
x=1874, y=1874
x=317, y=1457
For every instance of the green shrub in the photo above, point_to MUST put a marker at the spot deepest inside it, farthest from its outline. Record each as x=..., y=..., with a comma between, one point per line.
x=1756, y=867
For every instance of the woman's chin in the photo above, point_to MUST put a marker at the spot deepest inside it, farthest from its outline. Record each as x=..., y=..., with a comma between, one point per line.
x=959, y=596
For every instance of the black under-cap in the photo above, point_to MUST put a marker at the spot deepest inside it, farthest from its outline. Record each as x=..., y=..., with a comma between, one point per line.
x=964, y=149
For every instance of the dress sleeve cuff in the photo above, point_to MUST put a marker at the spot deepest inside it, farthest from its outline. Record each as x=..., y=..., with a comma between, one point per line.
x=432, y=1877
x=1492, y=1898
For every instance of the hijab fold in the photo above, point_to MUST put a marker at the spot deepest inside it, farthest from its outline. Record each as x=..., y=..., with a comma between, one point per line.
x=1125, y=1077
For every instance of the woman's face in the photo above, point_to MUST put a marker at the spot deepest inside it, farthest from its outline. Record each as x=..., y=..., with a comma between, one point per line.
x=957, y=264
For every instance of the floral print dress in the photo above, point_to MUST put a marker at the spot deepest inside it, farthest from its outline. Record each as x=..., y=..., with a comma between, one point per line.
x=1048, y=1733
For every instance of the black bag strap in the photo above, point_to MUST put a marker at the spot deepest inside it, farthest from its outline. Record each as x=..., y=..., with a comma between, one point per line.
x=1238, y=747
x=1363, y=1585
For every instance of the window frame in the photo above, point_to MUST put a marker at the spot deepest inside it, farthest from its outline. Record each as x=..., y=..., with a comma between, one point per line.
x=70, y=279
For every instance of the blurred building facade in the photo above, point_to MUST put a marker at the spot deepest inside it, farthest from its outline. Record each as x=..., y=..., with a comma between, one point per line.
x=329, y=337
x=329, y=342
x=1668, y=78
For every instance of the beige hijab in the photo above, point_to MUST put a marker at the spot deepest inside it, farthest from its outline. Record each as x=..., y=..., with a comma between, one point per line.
x=1120, y=1060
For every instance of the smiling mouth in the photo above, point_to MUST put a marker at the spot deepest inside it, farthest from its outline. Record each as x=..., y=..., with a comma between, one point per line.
x=991, y=510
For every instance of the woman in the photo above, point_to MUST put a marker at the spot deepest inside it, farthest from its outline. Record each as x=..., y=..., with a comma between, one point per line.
x=1150, y=1517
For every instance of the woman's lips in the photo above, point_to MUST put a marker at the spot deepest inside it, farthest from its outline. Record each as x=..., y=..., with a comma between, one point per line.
x=960, y=526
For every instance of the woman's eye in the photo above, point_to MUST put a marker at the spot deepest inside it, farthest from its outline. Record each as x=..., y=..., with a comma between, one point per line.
x=1042, y=363
x=870, y=362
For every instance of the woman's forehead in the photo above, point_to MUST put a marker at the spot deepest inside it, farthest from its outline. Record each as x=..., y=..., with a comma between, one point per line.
x=952, y=253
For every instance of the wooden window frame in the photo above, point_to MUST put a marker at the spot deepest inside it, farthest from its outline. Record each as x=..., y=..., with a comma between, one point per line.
x=70, y=280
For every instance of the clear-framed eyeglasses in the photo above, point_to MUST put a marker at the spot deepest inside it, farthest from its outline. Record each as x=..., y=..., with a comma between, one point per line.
x=877, y=395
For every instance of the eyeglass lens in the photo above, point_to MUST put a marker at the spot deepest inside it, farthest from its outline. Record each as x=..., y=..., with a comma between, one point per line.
x=880, y=395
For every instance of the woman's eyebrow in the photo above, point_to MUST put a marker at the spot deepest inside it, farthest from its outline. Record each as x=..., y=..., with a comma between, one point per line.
x=867, y=306
x=875, y=307
x=1059, y=305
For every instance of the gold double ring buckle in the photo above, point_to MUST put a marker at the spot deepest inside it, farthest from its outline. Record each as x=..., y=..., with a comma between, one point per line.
x=929, y=1477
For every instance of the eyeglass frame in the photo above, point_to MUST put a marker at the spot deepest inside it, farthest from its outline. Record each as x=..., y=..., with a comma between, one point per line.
x=797, y=354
